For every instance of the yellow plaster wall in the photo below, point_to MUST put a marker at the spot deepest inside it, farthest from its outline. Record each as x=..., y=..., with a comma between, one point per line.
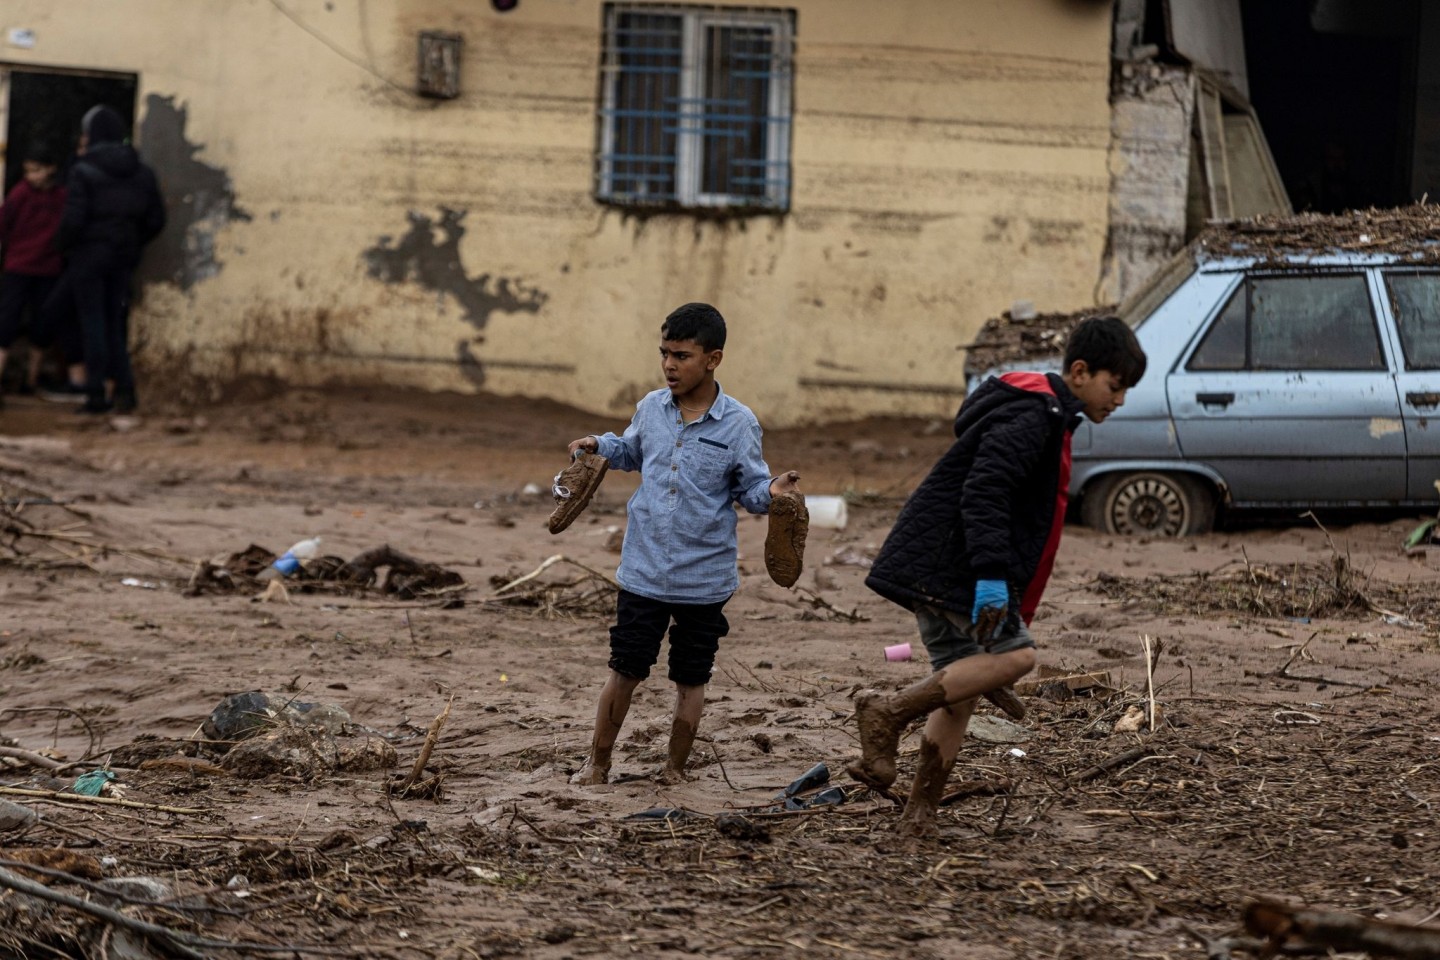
x=949, y=158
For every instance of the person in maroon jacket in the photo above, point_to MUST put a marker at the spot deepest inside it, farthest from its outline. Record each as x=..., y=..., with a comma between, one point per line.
x=29, y=224
x=972, y=549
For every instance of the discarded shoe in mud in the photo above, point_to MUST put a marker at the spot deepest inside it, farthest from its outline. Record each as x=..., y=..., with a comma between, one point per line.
x=785, y=539
x=816, y=776
x=574, y=486
x=1005, y=699
x=664, y=813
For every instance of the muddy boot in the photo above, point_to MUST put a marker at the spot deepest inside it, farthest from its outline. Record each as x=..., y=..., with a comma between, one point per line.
x=1005, y=699
x=881, y=721
x=918, y=820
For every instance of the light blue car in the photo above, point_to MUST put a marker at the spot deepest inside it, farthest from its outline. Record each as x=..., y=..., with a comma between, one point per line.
x=1274, y=381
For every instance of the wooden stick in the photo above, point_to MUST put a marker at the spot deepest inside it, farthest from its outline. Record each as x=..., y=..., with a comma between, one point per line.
x=431, y=736
x=1120, y=759
x=1287, y=926
x=74, y=798
x=35, y=759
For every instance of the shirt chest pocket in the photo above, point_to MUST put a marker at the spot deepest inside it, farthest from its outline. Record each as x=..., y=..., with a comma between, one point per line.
x=709, y=462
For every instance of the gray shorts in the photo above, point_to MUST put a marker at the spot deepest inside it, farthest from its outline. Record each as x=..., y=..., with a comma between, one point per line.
x=947, y=636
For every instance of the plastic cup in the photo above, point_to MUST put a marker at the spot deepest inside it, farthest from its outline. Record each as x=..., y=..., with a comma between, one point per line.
x=826, y=512
x=897, y=653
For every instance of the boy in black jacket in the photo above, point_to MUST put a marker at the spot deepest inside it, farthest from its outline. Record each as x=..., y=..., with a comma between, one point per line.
x=973, y=547
x=112, y=210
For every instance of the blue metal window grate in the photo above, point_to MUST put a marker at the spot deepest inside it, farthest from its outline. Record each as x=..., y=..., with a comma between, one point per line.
x=695, y=108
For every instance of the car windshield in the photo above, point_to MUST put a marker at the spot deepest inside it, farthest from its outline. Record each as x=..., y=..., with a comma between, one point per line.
x=1137, y=308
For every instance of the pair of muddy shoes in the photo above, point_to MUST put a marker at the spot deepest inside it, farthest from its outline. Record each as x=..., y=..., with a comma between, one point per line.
x=785, y=539
x=573, y=488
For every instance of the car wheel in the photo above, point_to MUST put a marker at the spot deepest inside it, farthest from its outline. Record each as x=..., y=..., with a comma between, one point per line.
x=1149, y=504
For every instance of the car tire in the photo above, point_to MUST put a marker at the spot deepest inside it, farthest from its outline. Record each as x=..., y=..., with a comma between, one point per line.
x=1149, y=504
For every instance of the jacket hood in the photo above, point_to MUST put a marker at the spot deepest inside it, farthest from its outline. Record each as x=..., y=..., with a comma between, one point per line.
x=1047, y=388
x=103, y=125
x=119, y=160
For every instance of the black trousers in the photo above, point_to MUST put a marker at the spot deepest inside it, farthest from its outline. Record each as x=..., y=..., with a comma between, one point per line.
x=97, y=289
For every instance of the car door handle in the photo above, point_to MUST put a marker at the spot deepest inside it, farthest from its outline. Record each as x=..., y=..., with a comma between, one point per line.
x=1215, y=399
x=1423, y=399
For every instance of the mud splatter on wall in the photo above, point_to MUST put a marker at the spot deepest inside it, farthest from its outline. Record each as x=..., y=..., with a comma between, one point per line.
x=429, y=254
x=199, y=198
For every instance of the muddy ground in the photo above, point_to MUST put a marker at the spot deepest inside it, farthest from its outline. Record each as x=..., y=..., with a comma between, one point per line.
x=1294, y=753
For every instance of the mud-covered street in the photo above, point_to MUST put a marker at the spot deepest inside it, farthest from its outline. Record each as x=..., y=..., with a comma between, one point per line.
x=1247, y=714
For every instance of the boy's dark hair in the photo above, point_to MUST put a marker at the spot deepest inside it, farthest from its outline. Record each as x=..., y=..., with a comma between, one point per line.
x=1107, y=343
x=696, y=321
x=42, y=151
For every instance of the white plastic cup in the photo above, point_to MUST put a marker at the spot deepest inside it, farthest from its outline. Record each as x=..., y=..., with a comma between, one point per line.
x=826, y=512
x=897, y=653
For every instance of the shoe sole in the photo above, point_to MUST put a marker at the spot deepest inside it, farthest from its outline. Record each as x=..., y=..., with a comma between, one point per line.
x=580, y=480
x=785, y=538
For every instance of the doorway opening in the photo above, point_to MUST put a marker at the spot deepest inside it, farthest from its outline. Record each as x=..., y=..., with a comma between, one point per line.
x=1334, y=84
x=47, y=105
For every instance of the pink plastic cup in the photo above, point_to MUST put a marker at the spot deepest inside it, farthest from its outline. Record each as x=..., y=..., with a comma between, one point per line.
x=900, y=651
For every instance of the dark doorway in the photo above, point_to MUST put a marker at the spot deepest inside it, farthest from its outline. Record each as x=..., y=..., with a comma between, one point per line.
x=48, y=106
x=1333, y=83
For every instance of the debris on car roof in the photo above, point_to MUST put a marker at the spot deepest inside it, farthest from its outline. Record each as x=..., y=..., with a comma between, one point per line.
x=1021, y=334
x=1409, y=231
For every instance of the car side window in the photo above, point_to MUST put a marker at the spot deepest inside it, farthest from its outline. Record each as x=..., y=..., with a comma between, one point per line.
x=1415, y=299
x=1294, y=323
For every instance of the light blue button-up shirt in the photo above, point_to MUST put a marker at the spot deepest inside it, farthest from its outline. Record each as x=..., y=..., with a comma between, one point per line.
x=680, y=540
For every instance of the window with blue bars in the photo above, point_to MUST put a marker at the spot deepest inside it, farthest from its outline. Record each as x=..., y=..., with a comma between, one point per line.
x=695, y=107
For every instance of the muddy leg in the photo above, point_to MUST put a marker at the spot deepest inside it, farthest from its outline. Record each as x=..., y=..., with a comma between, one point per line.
x=689, y=704
x=609, y=717
x=940, y=744
x=881, y=719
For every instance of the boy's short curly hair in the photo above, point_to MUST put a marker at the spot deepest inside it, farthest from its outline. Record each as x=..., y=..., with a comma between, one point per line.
x=696, y=321
x=1107, y=343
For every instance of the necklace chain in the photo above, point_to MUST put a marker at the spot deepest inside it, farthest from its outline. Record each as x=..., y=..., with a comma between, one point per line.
x=695, y=409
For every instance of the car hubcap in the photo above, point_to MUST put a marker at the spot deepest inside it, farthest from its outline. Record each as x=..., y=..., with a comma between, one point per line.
x=1148, y=506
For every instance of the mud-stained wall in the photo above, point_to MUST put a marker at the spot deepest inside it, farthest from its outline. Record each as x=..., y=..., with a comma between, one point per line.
x=949, y=158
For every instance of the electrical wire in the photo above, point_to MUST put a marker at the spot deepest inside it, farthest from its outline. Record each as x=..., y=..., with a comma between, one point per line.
x=339, y=51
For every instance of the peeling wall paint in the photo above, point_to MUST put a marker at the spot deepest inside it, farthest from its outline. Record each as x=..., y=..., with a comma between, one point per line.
x=433, y=261
x=199, y=198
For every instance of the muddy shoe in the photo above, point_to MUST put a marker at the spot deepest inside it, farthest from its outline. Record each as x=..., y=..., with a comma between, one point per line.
x=785, y=541
x=879, y=743
x=573, y=488
x=1005, y=699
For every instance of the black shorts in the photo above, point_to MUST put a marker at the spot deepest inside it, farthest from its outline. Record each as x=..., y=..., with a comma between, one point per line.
x=17, y=292
x=640, y=625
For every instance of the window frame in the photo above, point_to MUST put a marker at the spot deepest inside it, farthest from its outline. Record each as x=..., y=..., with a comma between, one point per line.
x=1246, y=289
x=690, y=136
x=1388, y=292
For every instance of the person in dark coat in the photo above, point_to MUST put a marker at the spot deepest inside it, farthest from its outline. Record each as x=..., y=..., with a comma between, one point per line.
x=973, y=548
x=112, y=210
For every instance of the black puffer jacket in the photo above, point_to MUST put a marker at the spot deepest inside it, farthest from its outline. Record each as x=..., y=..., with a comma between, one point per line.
x=112, y=205
x=986, y=509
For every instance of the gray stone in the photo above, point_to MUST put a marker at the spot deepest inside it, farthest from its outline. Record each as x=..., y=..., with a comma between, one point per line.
x=13, y=816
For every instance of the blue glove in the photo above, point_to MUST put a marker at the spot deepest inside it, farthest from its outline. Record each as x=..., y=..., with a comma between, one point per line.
x=990, y=593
